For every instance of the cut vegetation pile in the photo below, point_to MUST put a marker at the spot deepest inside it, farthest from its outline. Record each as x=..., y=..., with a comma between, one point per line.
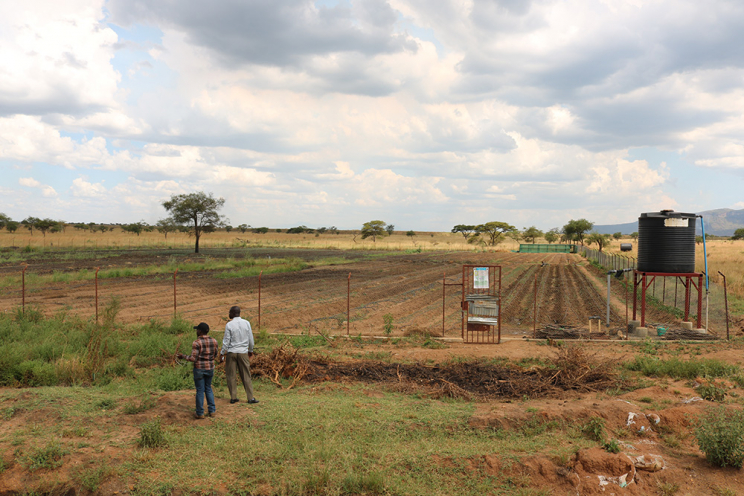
x=571, y=369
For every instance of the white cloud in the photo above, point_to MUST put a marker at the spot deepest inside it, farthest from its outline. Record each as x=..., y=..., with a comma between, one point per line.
x=46, y=190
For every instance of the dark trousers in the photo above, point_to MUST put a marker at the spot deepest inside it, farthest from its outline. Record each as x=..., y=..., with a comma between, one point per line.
x=240, y=362
x=203, y=383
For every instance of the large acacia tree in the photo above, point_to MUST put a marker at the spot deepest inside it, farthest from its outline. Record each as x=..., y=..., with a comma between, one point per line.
x=493, y=231
x=576, y=229
x=198, y=211
x=373, y=229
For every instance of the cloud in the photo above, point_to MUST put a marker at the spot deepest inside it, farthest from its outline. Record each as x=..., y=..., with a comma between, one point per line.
x=56, y=58
x=46, y=190
x=82, y=188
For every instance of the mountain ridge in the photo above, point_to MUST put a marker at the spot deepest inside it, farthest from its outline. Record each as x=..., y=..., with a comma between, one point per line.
x=718, y=222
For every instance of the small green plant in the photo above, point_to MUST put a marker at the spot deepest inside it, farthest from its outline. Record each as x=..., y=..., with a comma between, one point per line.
x=712, y=392
x=145, y=403
x=388, y=323
x=666, y=488
x=594, y=429
x=152, y=435
x=720, y=435
x=612, y=446
x=646, y=399
x=91, y=478
x=372, y=483
x=106, y=404
x=50, y=456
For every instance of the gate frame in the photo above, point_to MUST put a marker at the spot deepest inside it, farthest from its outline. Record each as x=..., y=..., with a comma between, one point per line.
x=483, y=333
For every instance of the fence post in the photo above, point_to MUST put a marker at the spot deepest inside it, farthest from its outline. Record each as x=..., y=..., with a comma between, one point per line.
x=348, y=304
x=174, y=293
x=725, y=299
x=23, y=289
x=444, y=281
x=259, y=299
x=534, y=312
x=97, y=269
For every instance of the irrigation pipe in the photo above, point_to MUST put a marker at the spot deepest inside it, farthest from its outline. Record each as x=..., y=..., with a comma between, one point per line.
x=707, y=287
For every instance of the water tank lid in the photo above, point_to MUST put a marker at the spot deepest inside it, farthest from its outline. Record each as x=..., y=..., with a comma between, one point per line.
x=665, y=214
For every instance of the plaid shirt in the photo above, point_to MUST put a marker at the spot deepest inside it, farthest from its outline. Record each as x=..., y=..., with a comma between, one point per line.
x=203, y=353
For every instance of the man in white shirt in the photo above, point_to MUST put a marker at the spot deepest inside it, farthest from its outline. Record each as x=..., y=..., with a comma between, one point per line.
x=237, y=348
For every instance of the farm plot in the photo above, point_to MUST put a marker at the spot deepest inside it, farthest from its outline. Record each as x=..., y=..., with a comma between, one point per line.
x=406, y=286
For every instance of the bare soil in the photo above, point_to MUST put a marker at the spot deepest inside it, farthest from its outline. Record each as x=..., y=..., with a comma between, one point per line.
x=406, y=286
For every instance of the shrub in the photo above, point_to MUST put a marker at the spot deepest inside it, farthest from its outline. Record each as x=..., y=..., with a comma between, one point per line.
x=387, y=319
x=712, y=392
x=720, y=435
x=50, y=456
x=612, y=446
x=175, y=379
x=152, y=435
x=594, y=429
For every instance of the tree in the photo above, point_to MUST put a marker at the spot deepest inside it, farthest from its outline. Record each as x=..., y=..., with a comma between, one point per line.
x=532, y=233
x=165, y=226
x=333, y=230
x=576, y=229
x=617, y=235
x=373, y=229
x=390, y=228
x=199, y=210
x=30, y=223
x=12, y=226
x=738, y=234
x=552, y=235
x=228, y=228
x=260, y=230
x=134, y=228
x=321, y=230
x=601, y=240
x=463, y=229
x=493, y=231
x=634, y=236
x=243, y=228
x=4, y=219
x=293, y=230
x=45, y=225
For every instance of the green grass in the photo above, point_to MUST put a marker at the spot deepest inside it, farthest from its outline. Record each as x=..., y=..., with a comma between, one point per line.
x=681, y=369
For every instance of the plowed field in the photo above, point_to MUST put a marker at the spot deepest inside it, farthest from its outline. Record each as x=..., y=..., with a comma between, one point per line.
x=406, y=286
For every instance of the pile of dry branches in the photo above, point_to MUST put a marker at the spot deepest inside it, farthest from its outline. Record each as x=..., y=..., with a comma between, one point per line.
x=570, y=370
x=687, y=334
x=550, y=331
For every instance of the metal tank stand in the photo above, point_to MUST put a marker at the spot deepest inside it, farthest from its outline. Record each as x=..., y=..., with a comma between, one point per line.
x=687, y=279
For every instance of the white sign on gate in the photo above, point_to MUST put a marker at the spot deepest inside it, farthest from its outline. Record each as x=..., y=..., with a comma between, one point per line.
x=480, y=278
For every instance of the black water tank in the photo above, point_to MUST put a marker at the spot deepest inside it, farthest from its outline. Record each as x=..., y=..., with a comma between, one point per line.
x=666, y=242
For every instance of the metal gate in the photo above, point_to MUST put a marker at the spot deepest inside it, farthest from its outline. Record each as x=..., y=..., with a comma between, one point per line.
x=481, y=303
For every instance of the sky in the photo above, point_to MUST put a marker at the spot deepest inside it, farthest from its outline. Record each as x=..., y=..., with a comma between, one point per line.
x=334, y=113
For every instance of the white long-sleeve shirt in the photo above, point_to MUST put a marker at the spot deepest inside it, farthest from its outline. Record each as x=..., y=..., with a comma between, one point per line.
x=238, y=337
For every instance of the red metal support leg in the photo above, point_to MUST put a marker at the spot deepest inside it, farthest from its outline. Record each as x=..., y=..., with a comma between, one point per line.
x=643, y=300
x=688, y=281
x=635, y=293
x=700, y=301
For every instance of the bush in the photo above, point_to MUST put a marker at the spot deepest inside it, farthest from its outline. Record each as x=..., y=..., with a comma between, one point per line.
x=175, y=379
x=152, y=435
x=145, y=403
x=679, y=369
x=594, y=429
x=49, y=456
x=720, y=435
x=712, y=392
x=612, y=446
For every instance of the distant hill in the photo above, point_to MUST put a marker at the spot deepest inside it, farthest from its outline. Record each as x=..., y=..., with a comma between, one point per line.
x=718, y=222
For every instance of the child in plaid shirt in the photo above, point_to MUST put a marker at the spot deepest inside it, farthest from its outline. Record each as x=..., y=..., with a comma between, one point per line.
x=203, y=353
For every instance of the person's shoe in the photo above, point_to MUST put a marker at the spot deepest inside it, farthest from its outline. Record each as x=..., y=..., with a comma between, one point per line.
x=233, y=401
x=253, y=401
x=198, y=417
x=212, y=414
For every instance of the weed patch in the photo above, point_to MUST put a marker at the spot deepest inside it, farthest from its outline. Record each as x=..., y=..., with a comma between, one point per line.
x=720, y=435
